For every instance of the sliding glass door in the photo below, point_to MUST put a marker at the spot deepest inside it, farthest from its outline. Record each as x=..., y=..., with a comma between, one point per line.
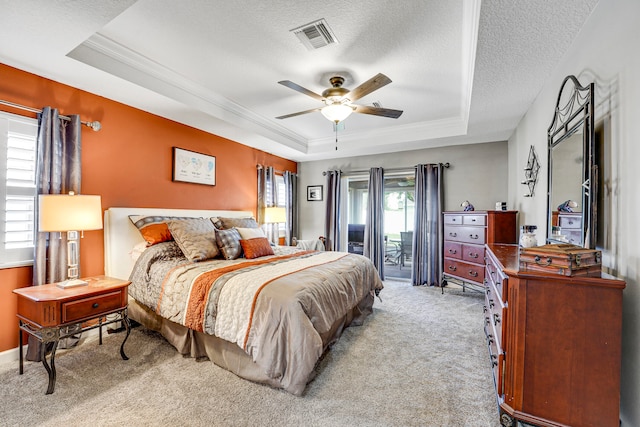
x=399, y=209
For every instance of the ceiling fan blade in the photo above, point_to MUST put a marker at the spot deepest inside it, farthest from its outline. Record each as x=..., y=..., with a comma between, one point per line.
x=374, y=83
x=299, y=113
x=378, y=111
x=298, y=88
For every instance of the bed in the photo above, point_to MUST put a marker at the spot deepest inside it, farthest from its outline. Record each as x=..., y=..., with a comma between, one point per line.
x=267, y=317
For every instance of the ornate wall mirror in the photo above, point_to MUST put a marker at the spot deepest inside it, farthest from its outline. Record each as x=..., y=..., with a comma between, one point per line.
x=572, y=172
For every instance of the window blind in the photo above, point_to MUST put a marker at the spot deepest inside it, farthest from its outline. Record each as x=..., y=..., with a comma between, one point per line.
x=18, y=176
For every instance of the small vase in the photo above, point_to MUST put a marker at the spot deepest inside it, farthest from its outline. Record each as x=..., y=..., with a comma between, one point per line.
x=528, y=240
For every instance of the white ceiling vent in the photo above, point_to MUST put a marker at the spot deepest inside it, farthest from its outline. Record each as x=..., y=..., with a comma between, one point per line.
x=315, y=35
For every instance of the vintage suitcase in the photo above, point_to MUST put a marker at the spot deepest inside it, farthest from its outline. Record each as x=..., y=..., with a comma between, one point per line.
x=565, y=259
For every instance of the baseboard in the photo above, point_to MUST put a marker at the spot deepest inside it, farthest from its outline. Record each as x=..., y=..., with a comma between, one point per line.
x=11, y=355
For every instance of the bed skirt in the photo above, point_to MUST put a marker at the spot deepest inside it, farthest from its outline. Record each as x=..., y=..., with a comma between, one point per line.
x=227, y=354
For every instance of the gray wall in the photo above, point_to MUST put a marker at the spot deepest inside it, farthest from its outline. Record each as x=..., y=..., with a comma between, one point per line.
x=605, y=52
x=478, y=173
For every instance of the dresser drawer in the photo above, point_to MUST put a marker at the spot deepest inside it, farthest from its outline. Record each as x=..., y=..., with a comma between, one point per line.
x=497, y=361
x=473, y=253
x=570, y=222
x=495, y=278
x=573, y=236
x=453, y=219
x=88, y=307
x=465, y=234
x=453, y=250
x=465, y=271
x=474, y=220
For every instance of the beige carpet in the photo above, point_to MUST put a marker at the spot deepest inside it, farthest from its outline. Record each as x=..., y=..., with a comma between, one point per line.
x=419, y=360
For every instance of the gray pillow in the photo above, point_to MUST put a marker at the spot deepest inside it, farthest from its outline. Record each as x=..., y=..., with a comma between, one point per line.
x=229, y=243
x=196, y=237
x=229, y=223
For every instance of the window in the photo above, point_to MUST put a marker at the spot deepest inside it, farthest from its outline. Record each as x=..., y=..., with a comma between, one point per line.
x=18, y=181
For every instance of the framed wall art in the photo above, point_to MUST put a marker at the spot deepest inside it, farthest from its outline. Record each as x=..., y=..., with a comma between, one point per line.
x=314, y=193
x=189, y=166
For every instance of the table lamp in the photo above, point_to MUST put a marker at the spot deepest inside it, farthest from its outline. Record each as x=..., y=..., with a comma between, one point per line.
x=275, y=215
x=70, y=213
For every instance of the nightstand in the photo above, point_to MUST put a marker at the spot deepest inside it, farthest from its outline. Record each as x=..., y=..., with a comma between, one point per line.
x=44, y=312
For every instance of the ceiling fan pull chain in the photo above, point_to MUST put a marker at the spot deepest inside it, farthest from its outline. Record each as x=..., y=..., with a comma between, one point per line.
x=335, y=126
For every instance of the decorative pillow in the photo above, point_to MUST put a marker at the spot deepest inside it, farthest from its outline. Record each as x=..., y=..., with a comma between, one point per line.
x=256, y=247
x=153, y=229
x=250, y=233
x=229, y=223
x=229, y=243
x=196, y=237
x=216, y=222
x=138, y=250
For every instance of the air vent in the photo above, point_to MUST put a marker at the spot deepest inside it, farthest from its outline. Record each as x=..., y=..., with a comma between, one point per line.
x=315, y=35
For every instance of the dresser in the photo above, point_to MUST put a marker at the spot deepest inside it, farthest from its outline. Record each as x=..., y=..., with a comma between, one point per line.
x=465, y=235
x=554, y=344
x=570, y=224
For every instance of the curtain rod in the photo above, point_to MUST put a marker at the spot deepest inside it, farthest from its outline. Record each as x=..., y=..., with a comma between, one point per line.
x=275, y=170
x=95, y=125
x=357, y=172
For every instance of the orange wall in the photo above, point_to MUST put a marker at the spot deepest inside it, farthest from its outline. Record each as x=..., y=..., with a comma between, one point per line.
x=128, y=163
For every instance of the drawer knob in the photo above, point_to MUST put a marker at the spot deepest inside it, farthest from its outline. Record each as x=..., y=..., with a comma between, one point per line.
x=496, y=318
x=95, y=305
x=472, y=255
x=491, y=304
x=452, y=251
x=453, y=234
x=473, y=273
x=474, y=236
x=452, y=268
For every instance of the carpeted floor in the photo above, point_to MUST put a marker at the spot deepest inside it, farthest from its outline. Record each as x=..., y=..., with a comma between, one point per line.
x=419, y=360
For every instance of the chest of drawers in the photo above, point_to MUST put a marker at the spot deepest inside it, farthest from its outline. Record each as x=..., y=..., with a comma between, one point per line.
x=570, y=224
x=465, y=234
x=554, y=343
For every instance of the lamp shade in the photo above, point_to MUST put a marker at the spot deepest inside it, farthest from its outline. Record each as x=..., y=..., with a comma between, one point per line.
x=68, y=212
x=336, y=112
x=275, y=215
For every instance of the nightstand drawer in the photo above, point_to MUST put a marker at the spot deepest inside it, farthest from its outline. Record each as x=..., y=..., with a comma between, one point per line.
x=90, y=307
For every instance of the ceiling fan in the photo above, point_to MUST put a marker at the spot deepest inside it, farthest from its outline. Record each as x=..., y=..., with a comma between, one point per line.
x=339, y=100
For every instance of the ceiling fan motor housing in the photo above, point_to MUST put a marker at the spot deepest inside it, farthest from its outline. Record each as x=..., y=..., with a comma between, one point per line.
x=336, y=91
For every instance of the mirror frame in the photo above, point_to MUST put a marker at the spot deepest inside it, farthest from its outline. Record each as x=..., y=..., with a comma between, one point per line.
x=574, y=114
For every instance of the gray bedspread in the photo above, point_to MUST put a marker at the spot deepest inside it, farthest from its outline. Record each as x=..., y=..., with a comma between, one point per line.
x=279, y=309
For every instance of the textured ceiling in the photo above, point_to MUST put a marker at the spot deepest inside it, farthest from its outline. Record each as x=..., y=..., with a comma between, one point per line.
x=463, y=72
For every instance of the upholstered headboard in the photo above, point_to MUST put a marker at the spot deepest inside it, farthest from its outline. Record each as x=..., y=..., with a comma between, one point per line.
x=120, y=235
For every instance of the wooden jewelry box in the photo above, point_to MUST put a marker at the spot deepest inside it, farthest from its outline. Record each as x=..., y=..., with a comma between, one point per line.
x=564, y=259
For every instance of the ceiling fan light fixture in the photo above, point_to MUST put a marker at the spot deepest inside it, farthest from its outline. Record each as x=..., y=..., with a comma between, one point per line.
x=336, y=112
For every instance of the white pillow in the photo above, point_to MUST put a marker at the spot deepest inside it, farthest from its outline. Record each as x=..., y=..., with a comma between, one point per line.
x=250, y=233
x=137, y=250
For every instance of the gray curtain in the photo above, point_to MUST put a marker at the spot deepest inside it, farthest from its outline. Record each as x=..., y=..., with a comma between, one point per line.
x=266, y=198
x=374, y=246
x=58, y=171
x=332, y=218
x=291, y=205
x=427, y=236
